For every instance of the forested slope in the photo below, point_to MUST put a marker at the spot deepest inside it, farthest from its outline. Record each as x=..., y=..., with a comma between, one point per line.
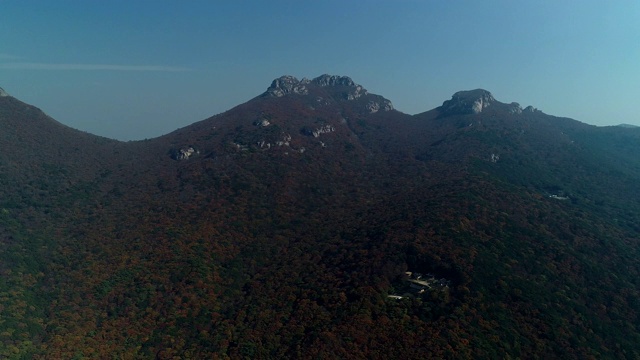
x=280, y=228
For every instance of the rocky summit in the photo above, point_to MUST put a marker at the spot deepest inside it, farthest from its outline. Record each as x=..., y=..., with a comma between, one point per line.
x=476, y=101
x=288, y=84
x=468, y=102
x=334, y=80
x=339, y=87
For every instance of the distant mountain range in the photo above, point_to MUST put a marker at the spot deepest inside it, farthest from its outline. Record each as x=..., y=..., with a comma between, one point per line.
x=316, y=221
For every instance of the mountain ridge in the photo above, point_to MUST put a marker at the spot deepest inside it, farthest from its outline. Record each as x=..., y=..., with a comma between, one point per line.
x=285, y=228
x=344, y=88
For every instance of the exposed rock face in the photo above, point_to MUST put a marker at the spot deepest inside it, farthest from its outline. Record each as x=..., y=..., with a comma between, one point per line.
x=318, y=131
x=183, y=153
x=286, y=140
x=375, y=106
x=468, y=102
x=359, y=91
x=262, y=122
x=475, y=101
x=286, y=85
x=333, y=80
x=346, y=89
x=515, y=108
x=3, y=93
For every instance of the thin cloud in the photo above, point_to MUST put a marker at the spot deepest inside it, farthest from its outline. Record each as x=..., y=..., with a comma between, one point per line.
x=108, y=67
x=8, y=57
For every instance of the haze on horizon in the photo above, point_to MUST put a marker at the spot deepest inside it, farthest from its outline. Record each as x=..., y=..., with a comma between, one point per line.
x=134, y=70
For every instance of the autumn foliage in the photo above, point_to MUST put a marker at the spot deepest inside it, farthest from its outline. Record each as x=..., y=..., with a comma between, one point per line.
x=243, y=251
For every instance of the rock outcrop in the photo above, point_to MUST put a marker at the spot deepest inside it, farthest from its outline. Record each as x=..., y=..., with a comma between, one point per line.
x=262, y=122
x=325, y=129
x=3, y=93
x=476, y=101
x=333, y=80
x=341, y=88
x=183, y=153
x=515, y=108
x=287, y=85
x=468, y=102
x=374, y=106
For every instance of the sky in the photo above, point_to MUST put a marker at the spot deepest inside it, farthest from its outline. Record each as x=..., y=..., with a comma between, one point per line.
x=131, y=70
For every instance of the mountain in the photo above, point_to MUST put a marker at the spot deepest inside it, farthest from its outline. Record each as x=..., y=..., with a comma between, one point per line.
x=316, y=221
x=628, y=126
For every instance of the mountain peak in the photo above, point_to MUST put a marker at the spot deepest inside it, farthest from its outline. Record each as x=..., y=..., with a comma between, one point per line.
x=468, y=102
x=3, y=93
x=288, y=84
x=334, y=80
x=475, y=101
x=339, y=87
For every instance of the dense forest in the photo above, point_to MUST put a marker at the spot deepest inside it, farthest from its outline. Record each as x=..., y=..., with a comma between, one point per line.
x=316, y=222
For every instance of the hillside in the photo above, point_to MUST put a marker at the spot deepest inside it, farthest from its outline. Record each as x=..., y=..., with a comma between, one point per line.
x=280, y=228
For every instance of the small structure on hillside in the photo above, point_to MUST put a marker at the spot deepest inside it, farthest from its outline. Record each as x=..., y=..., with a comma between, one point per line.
x=416, y=284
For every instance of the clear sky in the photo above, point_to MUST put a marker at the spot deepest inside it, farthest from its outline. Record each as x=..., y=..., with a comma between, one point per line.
x=139, y=69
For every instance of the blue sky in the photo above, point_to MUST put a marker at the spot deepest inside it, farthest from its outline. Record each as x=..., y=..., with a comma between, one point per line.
x=139, y=69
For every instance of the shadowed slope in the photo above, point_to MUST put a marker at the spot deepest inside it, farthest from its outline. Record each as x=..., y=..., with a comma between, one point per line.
x=279, y=228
